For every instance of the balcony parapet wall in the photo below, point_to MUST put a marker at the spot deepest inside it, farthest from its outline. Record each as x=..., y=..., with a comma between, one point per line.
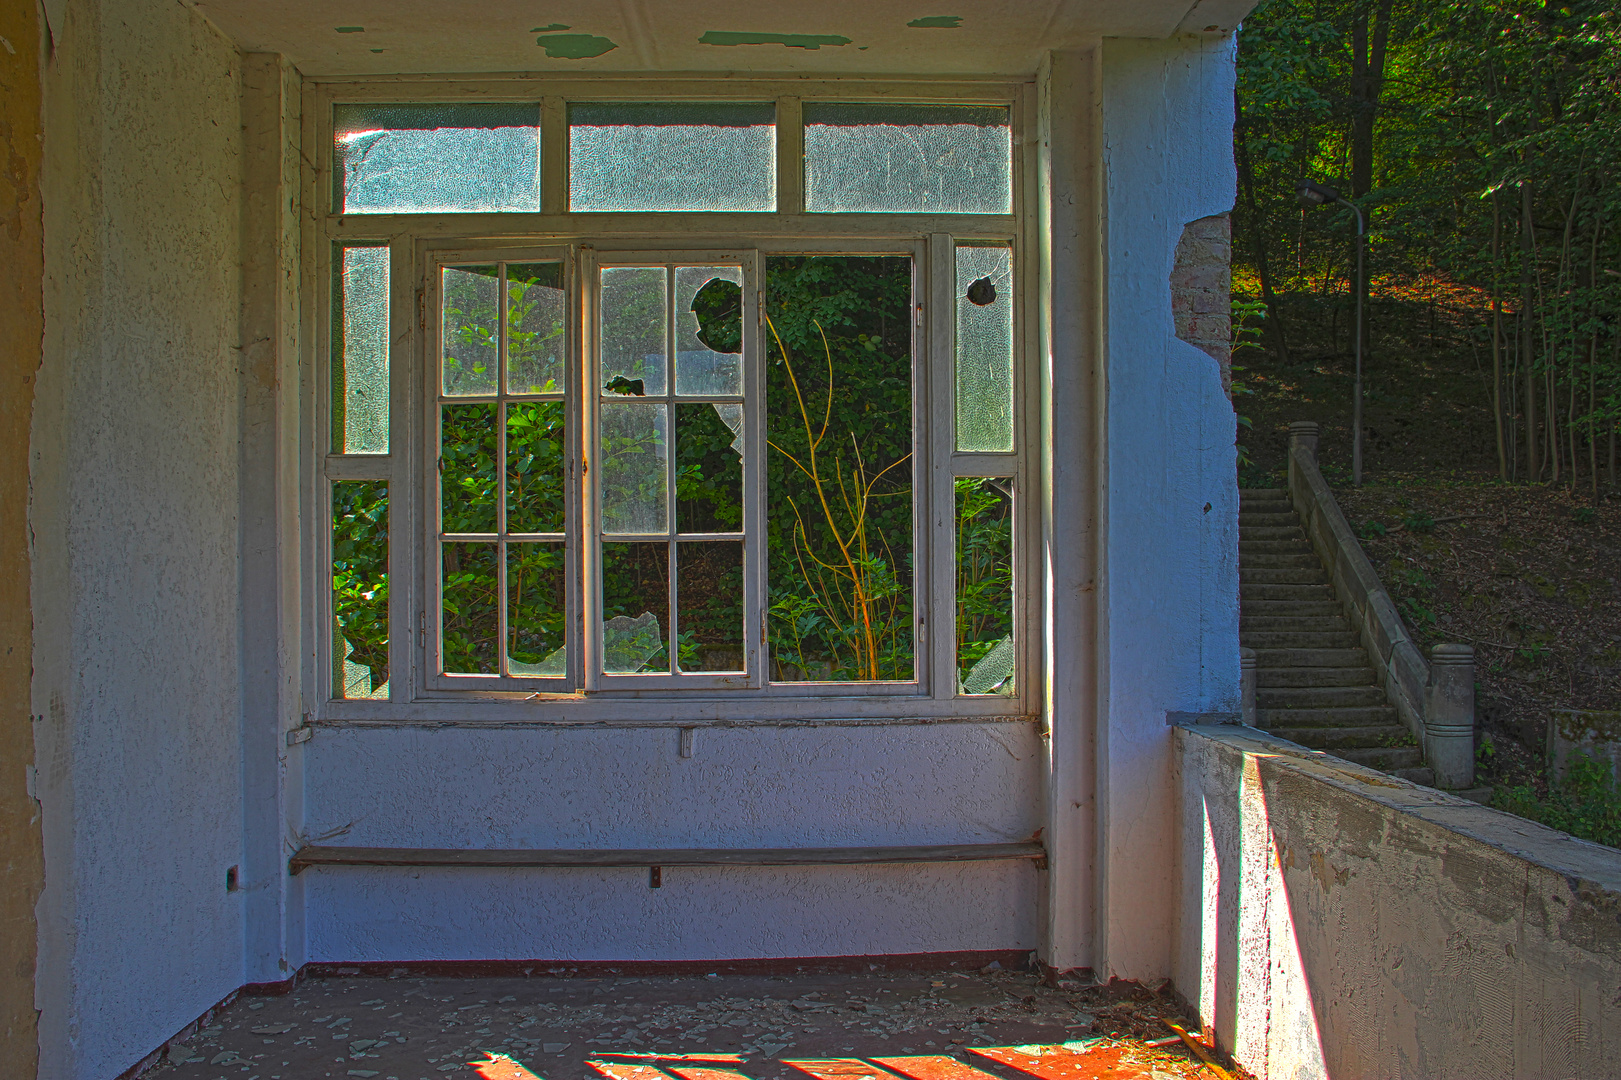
x=1336, y=921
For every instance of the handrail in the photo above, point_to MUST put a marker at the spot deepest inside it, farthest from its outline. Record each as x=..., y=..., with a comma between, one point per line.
x=1436, y=701
x=322, y=855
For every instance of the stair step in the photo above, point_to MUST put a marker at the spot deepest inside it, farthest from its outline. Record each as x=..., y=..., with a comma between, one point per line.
x=1418, y=774
x=1271, y=532
x=1297, y=639
x=1265, y=591
x=1317, y=697
x=1325, y=658
x=1338, y=738
x=1308, y=624
x=1353, y=716
x=1248, y=549
x=1281, y=575
x=1263, y=493
x=1252, y=606
x=1386, y=758
x=1250, y=519
x=1281, y=678
x=1279, y=560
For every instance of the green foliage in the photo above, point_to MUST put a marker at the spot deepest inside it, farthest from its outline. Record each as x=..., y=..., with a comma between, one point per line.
x=1584, y=515
x=1586, y=804
x=1371, y=529
x=839, y=475
x=984, y=550
x=360, y=574
x=1418, y=522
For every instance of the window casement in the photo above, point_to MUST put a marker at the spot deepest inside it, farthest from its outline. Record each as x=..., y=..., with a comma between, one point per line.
x=703, y=404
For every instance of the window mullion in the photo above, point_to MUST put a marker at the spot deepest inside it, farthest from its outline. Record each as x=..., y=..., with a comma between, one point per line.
x=756, y=591
x=939, y=330
x=790, y=156
x=671, y=528
x=588, y=580
x=403, y=300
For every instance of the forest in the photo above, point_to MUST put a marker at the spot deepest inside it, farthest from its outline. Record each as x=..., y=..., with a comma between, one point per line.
x=1480, y=140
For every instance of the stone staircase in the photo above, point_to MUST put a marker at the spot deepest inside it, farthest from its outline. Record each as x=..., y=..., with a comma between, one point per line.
x=1314, y=683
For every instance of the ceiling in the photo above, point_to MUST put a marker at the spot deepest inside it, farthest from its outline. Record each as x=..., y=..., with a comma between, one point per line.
x=902, y=37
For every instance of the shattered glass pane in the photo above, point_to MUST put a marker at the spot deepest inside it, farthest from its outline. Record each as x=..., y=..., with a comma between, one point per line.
x=469, y=297
x=360, y=351
x=633, y=324
x=471, y=608
x=360, y=589
x=708, y=469
x=703, y=369
x=984, y=555
x=984, y=360
x=424, y=159
x=709, y=604
x=536, y=608
x=635, y=608
x=672, y=156
x=936, y=159
x=467, y=469
x=536, y=469
x=535, y=328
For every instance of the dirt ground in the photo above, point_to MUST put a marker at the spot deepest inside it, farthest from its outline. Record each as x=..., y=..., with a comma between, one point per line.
x=940, y=1025
x=1528, y=574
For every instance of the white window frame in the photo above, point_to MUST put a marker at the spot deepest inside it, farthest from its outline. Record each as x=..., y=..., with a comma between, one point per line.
x=417, y=242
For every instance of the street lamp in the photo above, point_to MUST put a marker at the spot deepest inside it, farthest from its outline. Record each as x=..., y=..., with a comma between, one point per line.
x=1311, y=196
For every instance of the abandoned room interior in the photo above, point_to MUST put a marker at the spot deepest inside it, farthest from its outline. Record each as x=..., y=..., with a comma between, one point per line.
x=495, y=494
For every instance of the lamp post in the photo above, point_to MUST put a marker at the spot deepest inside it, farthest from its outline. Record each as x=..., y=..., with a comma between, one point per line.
x=1311, y=196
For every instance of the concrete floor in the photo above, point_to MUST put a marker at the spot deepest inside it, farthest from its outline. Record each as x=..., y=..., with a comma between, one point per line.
x=716, y=1027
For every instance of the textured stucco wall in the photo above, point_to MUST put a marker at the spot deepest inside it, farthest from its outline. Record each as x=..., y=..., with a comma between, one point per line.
x=134, y=513
x=22, y=868
x=629, y=788
x=1336, y=922
x=1170, y=587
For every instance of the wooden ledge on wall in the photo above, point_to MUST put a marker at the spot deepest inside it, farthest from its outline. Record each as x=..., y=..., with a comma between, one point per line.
x=321, y=855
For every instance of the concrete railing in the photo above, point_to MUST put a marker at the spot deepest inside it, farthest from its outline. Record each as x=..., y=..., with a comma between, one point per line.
x=1337, y=922
x=1435, y=700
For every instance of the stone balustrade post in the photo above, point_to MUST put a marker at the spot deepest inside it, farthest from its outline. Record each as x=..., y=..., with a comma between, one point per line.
x=1303, y=433
x=1246, y=685
x=1449, y=716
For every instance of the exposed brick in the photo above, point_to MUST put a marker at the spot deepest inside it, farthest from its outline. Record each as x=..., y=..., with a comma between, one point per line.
x=1201, y=290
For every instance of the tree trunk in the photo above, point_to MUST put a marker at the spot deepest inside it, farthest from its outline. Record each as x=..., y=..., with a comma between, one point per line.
x=1367, y=83
x=1533, y=452
x=1497, y=337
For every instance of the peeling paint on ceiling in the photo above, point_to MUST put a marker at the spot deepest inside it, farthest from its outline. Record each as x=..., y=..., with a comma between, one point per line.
x=792, y=41
x=553, y=28
x=937, y=22
x=575, y=46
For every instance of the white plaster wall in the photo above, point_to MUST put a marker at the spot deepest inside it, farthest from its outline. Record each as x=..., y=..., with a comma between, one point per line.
x=1169, y=633
x=133, y=517
x=1336, y=922
x=812, y=786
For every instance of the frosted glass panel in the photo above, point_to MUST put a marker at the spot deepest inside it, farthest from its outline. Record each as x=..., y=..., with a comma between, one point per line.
x=699, y=369
x=672, y=156
x=939, y=159
x=468, y=302
x=635, y=494
x=360, y=351
x=984, y=349
x=535, y=328
x=419, y=159
x=633, y=330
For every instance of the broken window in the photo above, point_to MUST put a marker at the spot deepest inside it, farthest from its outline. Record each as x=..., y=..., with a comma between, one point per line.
x=706, y=452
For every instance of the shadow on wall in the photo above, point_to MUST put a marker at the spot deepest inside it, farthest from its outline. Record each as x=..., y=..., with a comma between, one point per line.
x=1338, y=922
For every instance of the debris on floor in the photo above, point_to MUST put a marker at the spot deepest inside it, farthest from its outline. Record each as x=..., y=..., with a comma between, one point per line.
x=941, y=1025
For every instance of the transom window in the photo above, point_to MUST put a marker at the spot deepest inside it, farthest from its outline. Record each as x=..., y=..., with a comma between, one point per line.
x=641, y=407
